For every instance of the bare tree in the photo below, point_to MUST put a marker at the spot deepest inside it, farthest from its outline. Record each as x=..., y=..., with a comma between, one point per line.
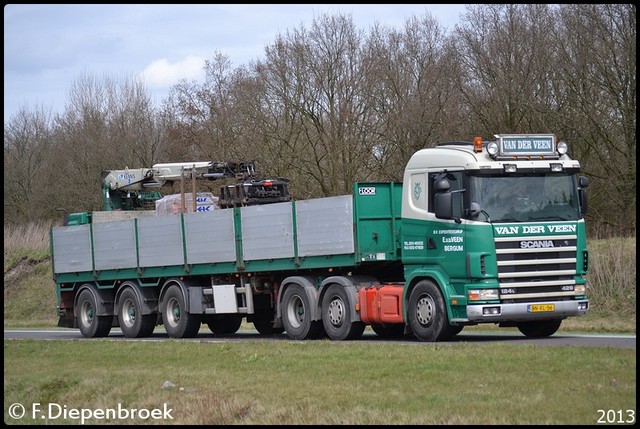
x=206, y=121
x=27, y=147
x=410, y=86
x=315, y=104
x=597, y=89
x=506, y=56
x=330, y=105
x=106, y=125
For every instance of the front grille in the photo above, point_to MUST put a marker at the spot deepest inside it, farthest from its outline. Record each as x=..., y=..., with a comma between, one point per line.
x=536, y=268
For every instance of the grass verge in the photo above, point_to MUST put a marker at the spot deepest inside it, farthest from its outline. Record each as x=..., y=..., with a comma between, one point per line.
x=317, y=382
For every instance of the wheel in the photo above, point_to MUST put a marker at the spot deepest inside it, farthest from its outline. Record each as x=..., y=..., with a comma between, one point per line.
x=91, y=325
x=176, y=319
x=390, y=330
x=539, y=328
x=224, y=324
x=296, y=315
x=133, y=323
x=428, y=314
x=336, y=315
x=265, y=327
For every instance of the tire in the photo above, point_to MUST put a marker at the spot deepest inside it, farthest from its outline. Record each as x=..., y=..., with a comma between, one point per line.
x=296, y=315
x=176, y=319
x=427, y=313
x=390, y=330
x=91, y=325
x=224, y=324
x=132, y=322
x=539, y=328
x=265, y=327
x=336, y=315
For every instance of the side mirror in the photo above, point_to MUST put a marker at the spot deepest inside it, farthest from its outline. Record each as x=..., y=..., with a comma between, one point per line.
x=583, y=183
x=441, y=185
x=443, y=205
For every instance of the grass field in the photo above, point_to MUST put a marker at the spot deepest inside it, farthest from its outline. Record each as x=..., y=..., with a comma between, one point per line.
x=319, y=382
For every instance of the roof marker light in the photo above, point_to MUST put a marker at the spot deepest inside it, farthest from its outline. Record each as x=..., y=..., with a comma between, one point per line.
x=477, y=144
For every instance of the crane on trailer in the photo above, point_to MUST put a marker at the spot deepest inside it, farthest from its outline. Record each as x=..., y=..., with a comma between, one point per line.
x=138, y=188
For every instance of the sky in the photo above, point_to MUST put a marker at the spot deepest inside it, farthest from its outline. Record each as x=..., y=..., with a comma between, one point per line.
x=48, y=47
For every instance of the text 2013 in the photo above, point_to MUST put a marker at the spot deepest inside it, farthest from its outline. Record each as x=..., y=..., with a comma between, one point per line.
x=616, y=416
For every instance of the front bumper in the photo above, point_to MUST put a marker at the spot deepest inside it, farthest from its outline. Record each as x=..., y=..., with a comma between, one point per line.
x=522, y=311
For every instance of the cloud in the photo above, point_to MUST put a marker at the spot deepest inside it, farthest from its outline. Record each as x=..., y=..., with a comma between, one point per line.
x=162, y=73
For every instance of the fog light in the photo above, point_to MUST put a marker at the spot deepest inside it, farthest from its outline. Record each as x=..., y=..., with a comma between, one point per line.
x=510, y=168
x=582, y=306
x=490, y=311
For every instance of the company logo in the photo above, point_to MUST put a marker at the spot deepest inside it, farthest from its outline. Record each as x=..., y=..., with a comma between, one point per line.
x=532, y=244
x=126, y=176
x=417, y=190
x=367, y=190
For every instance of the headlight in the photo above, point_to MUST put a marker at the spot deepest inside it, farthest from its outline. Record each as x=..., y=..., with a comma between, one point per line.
x=483, y=294
x=492, y=148
x=580, y=289
x=562, y=148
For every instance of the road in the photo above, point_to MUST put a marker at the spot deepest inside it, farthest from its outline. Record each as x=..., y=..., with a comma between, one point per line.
x=559, y=339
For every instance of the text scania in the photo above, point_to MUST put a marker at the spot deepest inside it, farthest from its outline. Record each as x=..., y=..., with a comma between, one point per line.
x=531, y=244
x=534, y=229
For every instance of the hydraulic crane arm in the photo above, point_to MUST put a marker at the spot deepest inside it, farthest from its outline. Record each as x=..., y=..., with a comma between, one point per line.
x=132, y=189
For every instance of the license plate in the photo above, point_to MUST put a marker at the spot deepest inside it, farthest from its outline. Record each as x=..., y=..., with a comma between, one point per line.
x=541, y=308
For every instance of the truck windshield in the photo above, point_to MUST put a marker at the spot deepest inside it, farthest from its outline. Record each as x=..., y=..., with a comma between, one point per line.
x=526, y=198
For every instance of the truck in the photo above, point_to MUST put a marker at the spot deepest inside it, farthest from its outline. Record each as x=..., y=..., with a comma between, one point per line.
x=478, y=232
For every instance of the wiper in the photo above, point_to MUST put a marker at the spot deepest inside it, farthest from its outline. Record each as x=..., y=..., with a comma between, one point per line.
x=507, y=219
x=554, y=217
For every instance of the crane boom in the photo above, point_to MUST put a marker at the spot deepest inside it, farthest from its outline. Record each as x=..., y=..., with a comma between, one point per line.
x=132, y=189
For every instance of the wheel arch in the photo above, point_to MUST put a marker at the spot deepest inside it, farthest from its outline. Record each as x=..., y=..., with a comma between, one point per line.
x=167, y=284
x=351, y=285
x=104, y=298
x=439, y=279
x=307, y=284
x=147, y=297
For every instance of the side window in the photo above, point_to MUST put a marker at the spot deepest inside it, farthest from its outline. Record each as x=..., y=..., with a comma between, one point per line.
x=455, y=181
x=419, y=197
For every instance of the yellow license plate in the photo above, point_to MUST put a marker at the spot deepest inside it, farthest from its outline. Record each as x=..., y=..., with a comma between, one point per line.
x=541, y=308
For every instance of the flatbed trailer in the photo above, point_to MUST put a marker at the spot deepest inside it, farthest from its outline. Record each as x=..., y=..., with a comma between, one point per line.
x=227, y=254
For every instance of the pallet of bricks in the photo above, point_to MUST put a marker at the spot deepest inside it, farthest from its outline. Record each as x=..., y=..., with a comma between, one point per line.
x=172, y=204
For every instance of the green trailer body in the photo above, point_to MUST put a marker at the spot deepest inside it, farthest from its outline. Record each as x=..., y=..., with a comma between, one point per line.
x=332, y=232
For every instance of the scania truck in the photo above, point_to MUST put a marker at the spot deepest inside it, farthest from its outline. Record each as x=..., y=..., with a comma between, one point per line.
x=478, y=232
